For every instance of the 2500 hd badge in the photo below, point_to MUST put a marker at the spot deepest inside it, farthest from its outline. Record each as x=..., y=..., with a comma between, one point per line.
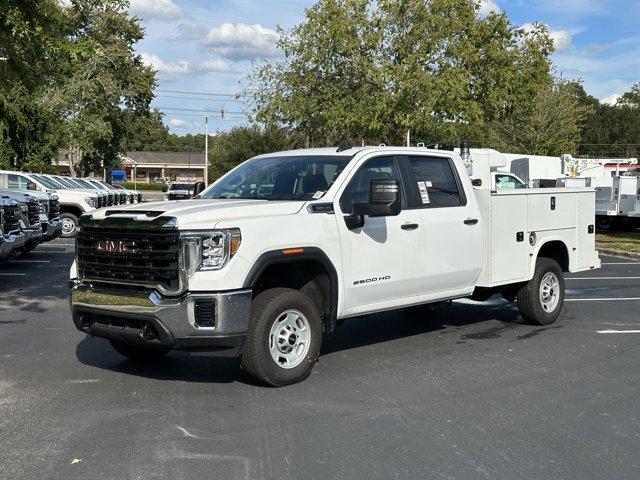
x=371, y=280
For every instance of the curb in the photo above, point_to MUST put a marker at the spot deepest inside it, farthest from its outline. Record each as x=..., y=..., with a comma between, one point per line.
x=618, y=253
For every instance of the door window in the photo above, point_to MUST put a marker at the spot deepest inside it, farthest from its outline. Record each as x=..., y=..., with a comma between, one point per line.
x=359, y=186
x=18, y=182
x=508, y=181
x=435, y=182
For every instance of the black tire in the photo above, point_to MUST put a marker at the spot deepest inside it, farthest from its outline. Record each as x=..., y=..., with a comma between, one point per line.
x=603, y=223
x=65, y=218
x=136, y=352
x=266, y=309
x=529, y=299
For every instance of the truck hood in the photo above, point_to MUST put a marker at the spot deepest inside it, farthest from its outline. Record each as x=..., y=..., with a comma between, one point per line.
x=202, y=213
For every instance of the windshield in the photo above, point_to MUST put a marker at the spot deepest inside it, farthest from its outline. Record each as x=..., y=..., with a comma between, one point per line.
x=50, y=182
x=65, y=182
x=303, y=177
x=84, y=183
x=181, y=186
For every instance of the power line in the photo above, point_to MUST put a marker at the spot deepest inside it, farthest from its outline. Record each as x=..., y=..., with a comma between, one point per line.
x=226, y=117
x=204, y=112
x=200, y=98
x=231, y=95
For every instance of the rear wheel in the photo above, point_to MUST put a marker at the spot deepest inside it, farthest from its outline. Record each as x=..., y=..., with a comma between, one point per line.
x=603, y=223
x=136, y=352
x=69, y=225
x=540, y=300
x=284, y=337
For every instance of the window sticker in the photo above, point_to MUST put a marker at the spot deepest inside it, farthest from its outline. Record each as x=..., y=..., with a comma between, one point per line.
x=424, y=192
x=317, y=195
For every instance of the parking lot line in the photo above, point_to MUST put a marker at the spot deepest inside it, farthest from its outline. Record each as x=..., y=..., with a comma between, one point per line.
x=602, y=278
x=31, y=261
x=621, y=263
x=612, y=299
x=53, y=251
x=618, y=331
x=12, y=274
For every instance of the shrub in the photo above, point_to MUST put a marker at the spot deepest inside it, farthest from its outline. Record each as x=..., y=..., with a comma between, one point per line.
x=154, y=186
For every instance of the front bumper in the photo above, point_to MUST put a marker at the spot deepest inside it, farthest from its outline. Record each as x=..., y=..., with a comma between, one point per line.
x=10, y=245
x=32, y=233
x=51, y=230
x=150, y=319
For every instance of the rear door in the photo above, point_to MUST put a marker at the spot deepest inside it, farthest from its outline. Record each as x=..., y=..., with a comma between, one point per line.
x=451, y=227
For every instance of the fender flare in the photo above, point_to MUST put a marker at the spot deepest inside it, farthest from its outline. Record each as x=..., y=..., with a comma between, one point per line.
x=536, y=254
x=274, y=257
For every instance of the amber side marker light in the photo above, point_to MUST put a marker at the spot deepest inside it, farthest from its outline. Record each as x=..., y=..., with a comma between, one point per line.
x=293, y=251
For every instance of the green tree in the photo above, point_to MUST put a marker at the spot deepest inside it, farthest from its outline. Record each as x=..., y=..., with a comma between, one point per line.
x=553, y=127
x=33, y=40
x=228, y=149
x=108, y=88
x=611, y=130
x=71, y=79
x=371, y=70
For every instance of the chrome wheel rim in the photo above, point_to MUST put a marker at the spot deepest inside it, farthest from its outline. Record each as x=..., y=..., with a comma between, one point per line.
x=289, y=339
x=68, y=226
x=549, y=292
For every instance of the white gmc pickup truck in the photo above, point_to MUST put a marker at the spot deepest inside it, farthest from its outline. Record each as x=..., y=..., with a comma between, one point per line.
x=285, y=245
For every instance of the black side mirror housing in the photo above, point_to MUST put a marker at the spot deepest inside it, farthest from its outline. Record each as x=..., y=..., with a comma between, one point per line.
x=384, y=201
x=199, y=188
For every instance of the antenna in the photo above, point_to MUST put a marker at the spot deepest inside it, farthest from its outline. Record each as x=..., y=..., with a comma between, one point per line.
x=344, y=145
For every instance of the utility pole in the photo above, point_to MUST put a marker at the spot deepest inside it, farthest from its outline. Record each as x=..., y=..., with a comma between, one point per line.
x=206, y=151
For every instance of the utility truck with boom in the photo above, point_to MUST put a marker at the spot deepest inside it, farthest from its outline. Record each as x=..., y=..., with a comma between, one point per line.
x=287, y=245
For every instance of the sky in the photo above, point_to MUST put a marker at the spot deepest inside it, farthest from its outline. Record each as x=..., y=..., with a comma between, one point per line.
x=204, y=49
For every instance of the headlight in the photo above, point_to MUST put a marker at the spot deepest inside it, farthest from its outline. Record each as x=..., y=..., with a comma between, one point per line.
x=210, y=250
x=90, y=201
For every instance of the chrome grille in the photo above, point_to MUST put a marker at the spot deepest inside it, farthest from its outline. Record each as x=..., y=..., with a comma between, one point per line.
x=54, y=208
x=33, y=212
x=152, y=259
x=12, y=214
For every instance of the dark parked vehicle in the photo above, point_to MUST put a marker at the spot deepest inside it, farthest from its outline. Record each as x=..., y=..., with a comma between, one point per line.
x=12, y=239
x=180, y=191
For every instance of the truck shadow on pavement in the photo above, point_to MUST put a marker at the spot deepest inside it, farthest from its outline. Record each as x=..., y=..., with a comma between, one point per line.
x=469, y=321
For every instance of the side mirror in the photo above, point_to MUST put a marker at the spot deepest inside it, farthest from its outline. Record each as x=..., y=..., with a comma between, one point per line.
x=199, y=188
x=384, y=201
x=165, y=189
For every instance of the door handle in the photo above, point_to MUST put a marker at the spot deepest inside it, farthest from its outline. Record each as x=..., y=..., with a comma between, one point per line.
x=471, y=221
x=409, y=226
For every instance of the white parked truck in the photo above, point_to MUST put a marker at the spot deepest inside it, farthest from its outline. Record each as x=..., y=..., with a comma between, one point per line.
x=72, y=203
x=263, y=272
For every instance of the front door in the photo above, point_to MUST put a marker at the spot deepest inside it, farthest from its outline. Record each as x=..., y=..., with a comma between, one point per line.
x=381, y=261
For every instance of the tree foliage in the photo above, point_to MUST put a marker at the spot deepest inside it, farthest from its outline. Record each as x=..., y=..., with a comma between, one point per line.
x=553, y=127
x=228, y=149
x=610, y=130
x=72, y=79
x=371, y=70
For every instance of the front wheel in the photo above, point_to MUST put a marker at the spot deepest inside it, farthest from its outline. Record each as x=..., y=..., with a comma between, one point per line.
x=540, y=300
x=69, y=225
x=284, y=337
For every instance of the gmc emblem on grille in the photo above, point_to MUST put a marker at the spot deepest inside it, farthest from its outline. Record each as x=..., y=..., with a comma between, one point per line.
x=116, y=247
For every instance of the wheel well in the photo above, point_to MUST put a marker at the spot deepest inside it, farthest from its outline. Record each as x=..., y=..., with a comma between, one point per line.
x=309, y=277
x=71, y=209
x=557, y=251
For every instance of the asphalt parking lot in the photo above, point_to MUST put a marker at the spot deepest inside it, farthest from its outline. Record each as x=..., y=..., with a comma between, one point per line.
x=468, y=392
